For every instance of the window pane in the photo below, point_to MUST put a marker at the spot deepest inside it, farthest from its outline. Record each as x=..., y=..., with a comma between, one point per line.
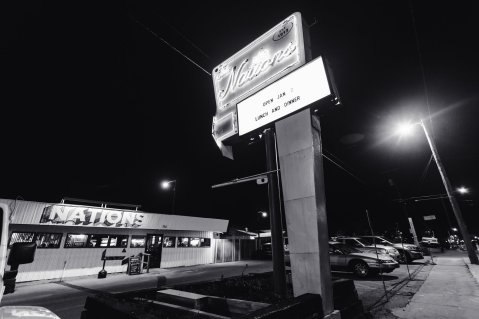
x=76, y=241
x=183, y=242
x=137, y=242
x=120, y=241
x=194, y=242
x=169, y=242
x=205, y=242
x=21, y=238
x=48, y=240
x=98, y=241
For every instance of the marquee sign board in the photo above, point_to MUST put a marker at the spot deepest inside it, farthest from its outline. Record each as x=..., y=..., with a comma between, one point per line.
x=287, y=95
x=429, y=217
x=271, y=56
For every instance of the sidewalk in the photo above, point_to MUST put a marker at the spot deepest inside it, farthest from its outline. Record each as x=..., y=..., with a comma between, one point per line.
x=236, y=267
x=451, y=290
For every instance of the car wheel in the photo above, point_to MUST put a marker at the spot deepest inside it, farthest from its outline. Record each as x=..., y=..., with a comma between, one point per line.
x=360, y=269
x=404, y=258
x=408, y=258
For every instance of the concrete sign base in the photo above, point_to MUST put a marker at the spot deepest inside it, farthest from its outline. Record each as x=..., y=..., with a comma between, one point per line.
x=302, y=178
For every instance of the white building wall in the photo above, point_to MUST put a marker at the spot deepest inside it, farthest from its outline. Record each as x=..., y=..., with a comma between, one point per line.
x=56, y=263
x=49, y=263
x=187, y=256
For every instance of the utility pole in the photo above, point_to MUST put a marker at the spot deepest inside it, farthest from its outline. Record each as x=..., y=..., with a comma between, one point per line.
x=277, y=245
x=452, y=199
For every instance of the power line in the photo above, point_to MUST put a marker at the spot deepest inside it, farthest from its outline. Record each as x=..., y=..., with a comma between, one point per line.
x=341, y=167
x=183, y=36
x=168, y=44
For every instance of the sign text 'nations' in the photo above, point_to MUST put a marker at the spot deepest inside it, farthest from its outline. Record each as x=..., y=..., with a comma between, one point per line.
x=96, y=217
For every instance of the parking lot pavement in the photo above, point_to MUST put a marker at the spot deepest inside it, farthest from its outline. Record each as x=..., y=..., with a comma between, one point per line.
x=371, y=290
x=67, y=298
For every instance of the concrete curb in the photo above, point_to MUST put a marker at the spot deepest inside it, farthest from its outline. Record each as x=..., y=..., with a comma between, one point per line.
x=473, y=269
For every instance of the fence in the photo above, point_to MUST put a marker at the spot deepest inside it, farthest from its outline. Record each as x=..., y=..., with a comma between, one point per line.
x=234, y=249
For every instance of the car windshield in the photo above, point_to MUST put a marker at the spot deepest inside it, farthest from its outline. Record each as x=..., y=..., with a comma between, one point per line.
x=346, y=248
x=369, y=241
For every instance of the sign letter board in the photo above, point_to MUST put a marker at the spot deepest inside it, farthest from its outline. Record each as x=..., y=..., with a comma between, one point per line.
x=134, y=266
x=289, y=94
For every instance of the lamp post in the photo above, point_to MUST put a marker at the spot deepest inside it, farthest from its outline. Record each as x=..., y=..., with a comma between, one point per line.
x=167, y=184
x=407, y=129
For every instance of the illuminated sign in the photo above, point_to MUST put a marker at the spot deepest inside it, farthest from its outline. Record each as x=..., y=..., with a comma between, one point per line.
x=289, y=94
x=92, y=217
x=272, y=55
x=225, y=126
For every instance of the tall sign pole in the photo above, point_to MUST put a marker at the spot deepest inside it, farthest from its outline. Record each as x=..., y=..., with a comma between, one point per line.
x=302, y=177
x=279, y=272
x=274, y=81
x=452, y=199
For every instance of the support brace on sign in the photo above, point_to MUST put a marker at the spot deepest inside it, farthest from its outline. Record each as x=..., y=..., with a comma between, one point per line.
x=259, y=178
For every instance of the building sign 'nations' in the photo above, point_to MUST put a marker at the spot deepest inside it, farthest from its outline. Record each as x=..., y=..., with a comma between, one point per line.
x=92, y=217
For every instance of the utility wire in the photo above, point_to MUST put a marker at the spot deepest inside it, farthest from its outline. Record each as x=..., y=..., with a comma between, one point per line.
x=183, y=36
x=329, y=158
x=168, y=44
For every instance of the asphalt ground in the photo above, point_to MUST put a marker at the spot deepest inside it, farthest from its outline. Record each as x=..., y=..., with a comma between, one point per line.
x=375, y=291
x=67, y=298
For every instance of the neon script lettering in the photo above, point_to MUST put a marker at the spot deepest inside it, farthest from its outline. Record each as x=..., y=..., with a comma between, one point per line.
x=245, y=72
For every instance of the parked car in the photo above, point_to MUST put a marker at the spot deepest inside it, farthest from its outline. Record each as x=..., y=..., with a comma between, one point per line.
x=362, y=264
x=364, y=245
x=407, y=252
x=430, y=242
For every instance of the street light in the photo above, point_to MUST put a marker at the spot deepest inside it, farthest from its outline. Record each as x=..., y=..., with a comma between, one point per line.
x=167, y=184
x=406, y=129
x=263, y=214
x=462, y=190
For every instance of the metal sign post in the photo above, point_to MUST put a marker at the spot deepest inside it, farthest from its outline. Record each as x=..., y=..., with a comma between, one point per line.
x=279, y=273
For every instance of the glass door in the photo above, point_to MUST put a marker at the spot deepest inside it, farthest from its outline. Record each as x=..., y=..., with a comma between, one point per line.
x=153, y=247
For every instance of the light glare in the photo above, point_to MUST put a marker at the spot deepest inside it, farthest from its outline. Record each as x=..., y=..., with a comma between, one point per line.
x=404, y=129
x=165, y=184
x=463, y=190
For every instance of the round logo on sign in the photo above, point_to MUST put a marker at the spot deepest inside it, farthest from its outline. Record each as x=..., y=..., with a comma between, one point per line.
x=285, y=29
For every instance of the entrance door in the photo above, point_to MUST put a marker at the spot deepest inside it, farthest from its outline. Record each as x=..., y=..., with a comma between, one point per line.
x=153, y=247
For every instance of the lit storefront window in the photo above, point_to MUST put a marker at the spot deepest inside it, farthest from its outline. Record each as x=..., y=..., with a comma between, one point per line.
x=137, y=242
x=183, y=242
x=169, y=242
x=76, y=241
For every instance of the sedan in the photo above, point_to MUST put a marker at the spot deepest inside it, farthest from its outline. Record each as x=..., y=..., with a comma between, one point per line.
x=362, y=264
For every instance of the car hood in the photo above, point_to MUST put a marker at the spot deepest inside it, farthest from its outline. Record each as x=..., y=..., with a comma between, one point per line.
x=378, y=247
x=407, y=246
x=371, y=255
x=30, y=312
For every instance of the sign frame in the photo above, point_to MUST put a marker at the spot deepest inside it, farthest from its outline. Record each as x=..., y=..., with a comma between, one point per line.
x=287, y=99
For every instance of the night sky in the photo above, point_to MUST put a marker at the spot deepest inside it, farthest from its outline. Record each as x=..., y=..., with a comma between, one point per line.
x=97, y=103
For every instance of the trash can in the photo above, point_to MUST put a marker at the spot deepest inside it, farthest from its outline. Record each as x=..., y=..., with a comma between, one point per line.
x=102, y=274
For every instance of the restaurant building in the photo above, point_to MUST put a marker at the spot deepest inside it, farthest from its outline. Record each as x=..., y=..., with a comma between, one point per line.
x=71, y=238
